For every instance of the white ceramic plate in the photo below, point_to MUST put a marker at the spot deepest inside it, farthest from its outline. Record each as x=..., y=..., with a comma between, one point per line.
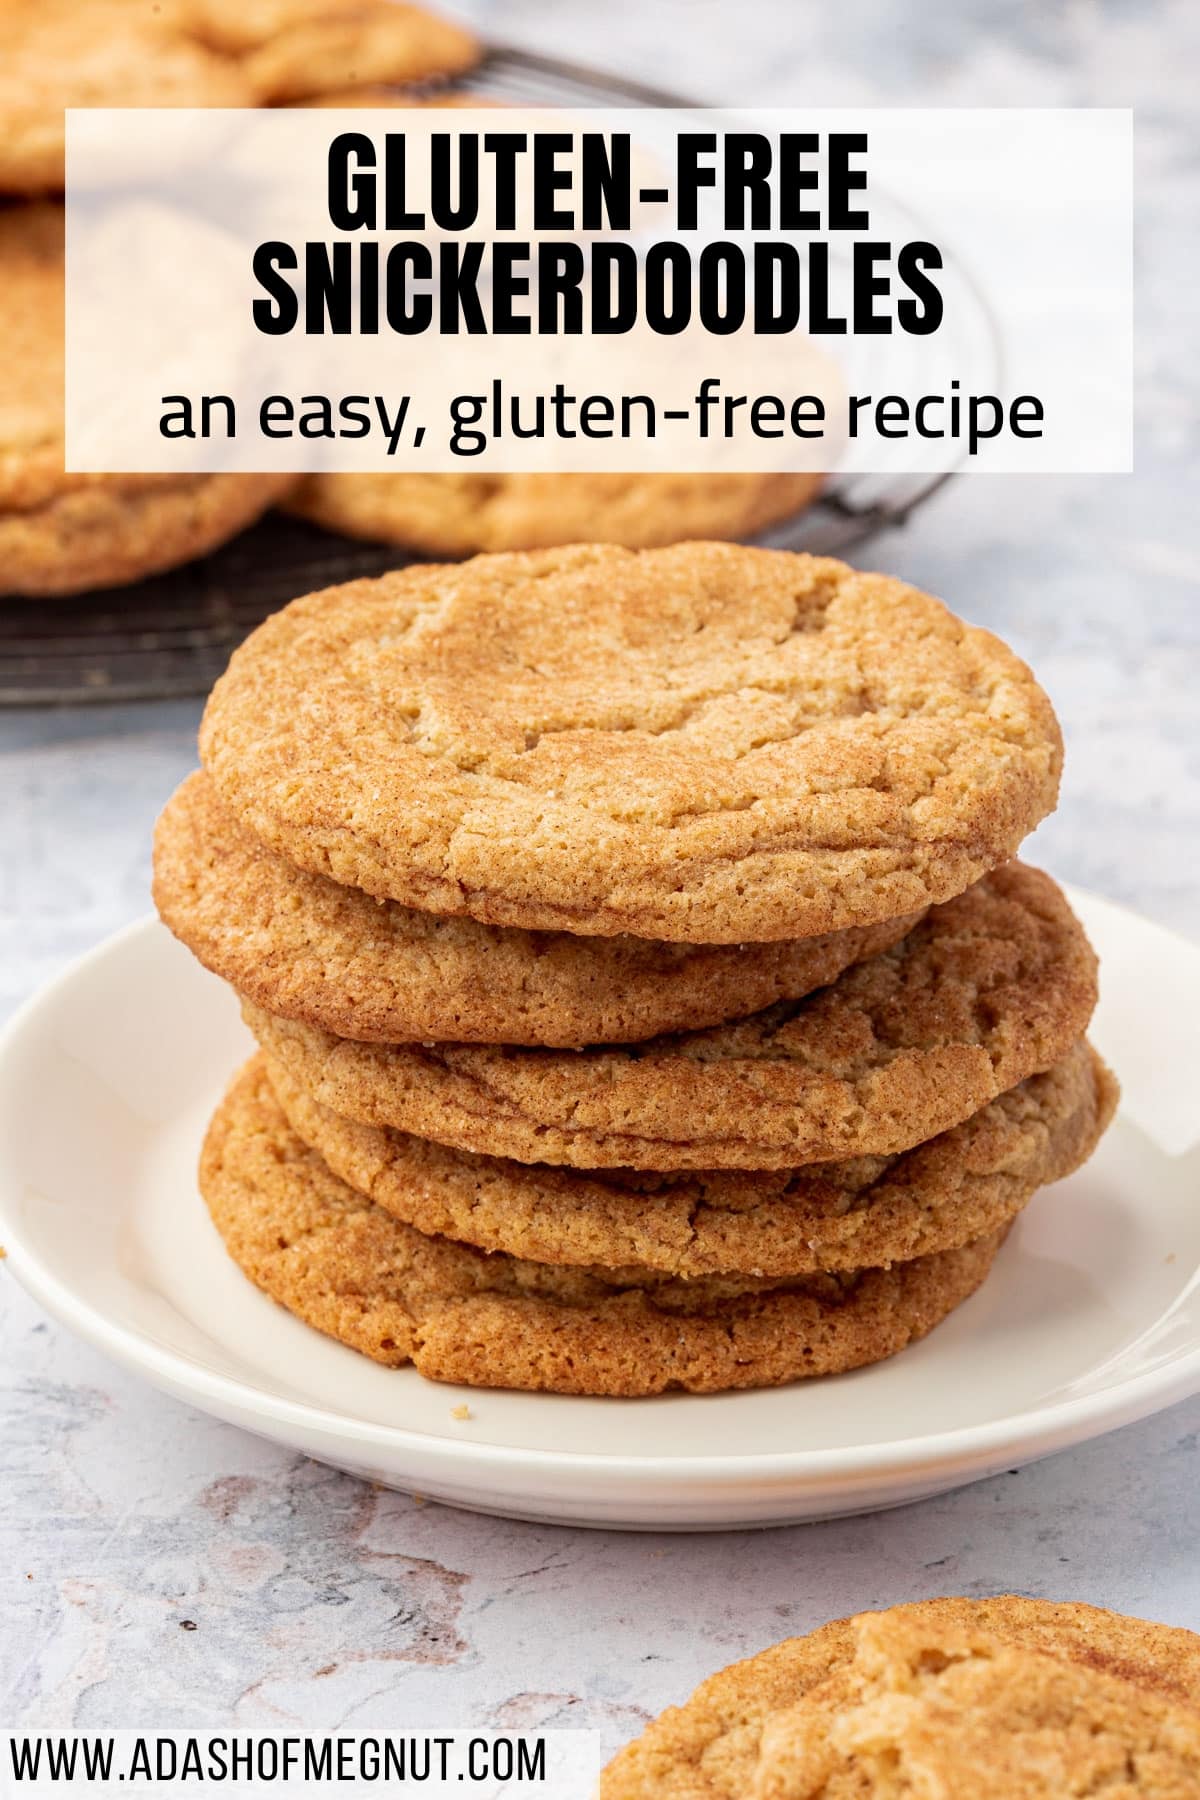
x=1091, y=1317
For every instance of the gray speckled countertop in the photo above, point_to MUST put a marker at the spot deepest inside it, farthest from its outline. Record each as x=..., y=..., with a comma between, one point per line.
x=321, y=1603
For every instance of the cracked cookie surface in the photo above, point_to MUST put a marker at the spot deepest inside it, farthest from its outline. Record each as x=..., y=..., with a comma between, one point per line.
x=304, y=947
x=706, y=743
x=358, y=1274
x=867, y=1213
x=989, y=988
x=1004, y=1698
x=460, y=515
x=941, y=1711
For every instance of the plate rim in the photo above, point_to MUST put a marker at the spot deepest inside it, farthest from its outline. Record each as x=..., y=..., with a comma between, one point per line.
x=1030, y=1433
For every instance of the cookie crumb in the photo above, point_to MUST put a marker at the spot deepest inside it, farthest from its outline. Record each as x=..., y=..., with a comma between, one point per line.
x=460, y=1412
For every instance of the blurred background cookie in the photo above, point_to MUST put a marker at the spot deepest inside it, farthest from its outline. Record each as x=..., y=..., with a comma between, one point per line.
x=458, y=515
x=66, y=533
x=294, y=49
x=60, y=53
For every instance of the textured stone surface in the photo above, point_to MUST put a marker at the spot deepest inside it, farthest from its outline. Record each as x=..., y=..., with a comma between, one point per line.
x=320, y=1603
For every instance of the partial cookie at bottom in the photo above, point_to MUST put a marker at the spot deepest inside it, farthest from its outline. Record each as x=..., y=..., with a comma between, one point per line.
x=460, y=1315
x=761, y=1729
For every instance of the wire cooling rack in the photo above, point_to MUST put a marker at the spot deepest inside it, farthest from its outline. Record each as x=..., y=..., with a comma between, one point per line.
x=174, y=633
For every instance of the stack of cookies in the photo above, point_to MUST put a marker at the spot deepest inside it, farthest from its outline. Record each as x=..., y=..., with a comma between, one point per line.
x=645, y=995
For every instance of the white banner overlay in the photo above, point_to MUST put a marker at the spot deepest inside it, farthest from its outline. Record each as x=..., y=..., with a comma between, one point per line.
x=490, y=289
x=436, y=1764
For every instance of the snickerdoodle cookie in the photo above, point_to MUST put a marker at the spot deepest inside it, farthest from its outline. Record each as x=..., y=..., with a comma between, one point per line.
x=867, y=1213
x=60, y=53
x=929, y=1710
x=706, y=743
x=1000, y=1699
x=293, y=49
x=366, y=98
x=458, y=515
x=65, y=534
x=307, y=948
x=989, y=988
x=360, y=1275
